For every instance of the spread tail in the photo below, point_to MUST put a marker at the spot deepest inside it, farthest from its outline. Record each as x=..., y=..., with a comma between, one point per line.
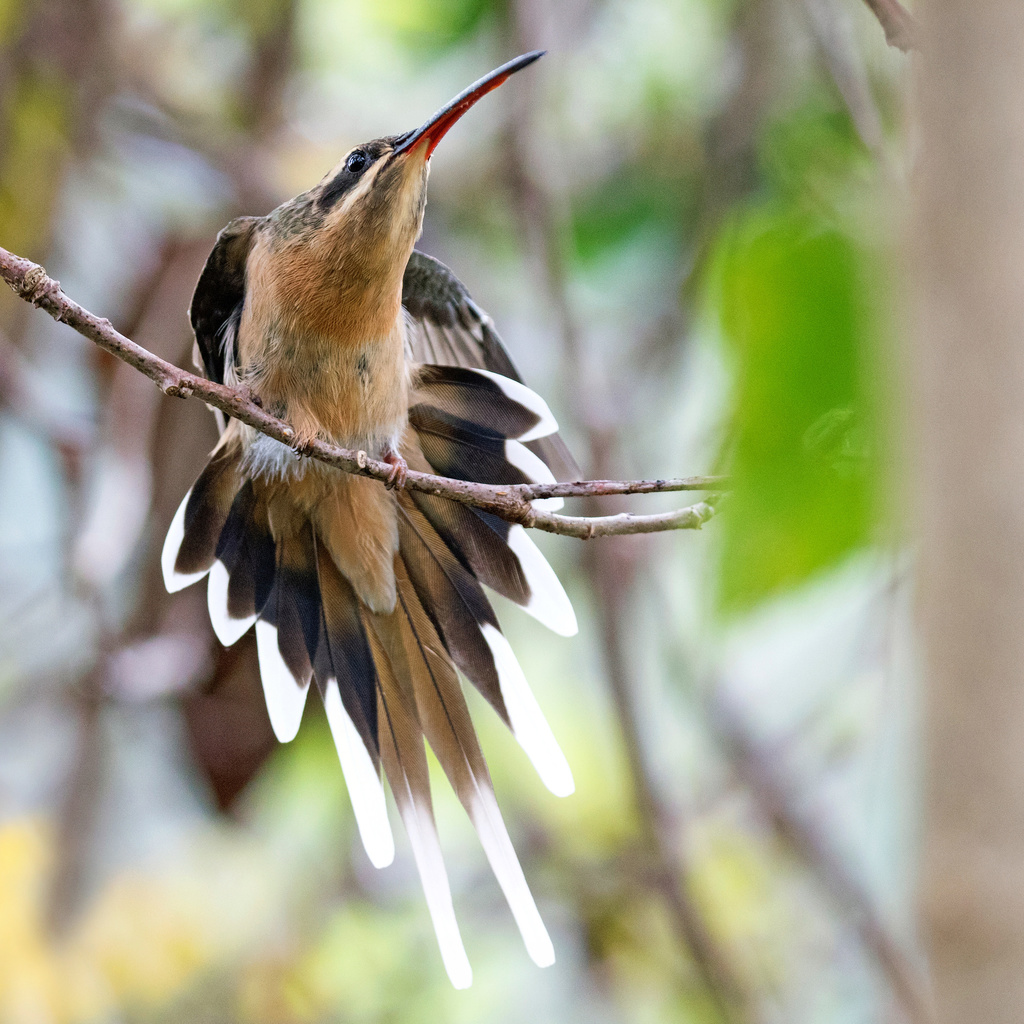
x=388, y=676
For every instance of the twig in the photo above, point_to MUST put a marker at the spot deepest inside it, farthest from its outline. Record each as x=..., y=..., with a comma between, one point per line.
x=588, y=527
x=897, y=22
x=509, y=502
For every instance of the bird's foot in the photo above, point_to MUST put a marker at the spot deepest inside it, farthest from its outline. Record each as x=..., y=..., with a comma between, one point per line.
x=302, y=444
x=399, y=469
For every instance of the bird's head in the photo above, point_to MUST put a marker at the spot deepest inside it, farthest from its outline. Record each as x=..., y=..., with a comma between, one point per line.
x=372, y=202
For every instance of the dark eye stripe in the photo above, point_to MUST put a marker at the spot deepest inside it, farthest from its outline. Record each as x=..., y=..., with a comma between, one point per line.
x=345, y=180
x=342, y=183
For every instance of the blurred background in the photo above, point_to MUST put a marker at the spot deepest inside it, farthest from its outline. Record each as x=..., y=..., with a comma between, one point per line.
x=682, y=221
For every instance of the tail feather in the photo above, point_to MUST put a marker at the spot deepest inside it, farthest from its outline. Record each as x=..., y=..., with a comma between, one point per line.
x=344, y=652
x=506, y=406
x=534, y=469
x=481, y=548
x=292, y=557
x=529, y=726
x=478, y=425
x=548, y=446
x=454, y=599
x=348, y=682
x=285, y=696
x=405, y=764
x=449, y=730
x=502, y=556
x=190, y=547
x=469, y=451
x=362, y=778
x=459, y=609
x=229, y=630
x=293, y=606
x=242, y=578
x=287, y=631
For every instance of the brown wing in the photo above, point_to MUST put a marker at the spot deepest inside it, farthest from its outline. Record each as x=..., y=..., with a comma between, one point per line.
x=448, y=328
x=219, y=296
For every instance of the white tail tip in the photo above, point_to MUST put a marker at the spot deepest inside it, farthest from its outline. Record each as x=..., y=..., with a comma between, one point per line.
x=549, y=602
x=229, y=630
x=427, y=851
x=503, y=860
x=536, y=471
x=546, y=423
x=528, y=722
x=365, y=789
x=284, y=695
x=173, y=580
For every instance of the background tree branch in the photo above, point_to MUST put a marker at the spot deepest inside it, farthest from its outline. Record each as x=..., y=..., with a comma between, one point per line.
x=897, y=22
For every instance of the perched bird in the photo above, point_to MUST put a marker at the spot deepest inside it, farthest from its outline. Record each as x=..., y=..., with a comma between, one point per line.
x=326, y=313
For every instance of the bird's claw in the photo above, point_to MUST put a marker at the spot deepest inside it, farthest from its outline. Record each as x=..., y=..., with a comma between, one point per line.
x=399, y=470
x=303, y=447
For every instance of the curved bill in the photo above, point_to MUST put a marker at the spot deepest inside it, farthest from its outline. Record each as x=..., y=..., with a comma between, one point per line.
x=435, y=129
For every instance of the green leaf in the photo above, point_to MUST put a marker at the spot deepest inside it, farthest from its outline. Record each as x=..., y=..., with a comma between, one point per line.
x=794, y=311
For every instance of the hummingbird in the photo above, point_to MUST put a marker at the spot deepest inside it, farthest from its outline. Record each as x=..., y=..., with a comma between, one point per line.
x=328, y=316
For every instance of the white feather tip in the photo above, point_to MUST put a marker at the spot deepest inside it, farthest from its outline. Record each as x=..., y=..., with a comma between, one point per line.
x=174, y=580
x=285, y=696
x=548, y=602
x=365, y=789
x=426, y=850
x=535, y=470
x=528, y=723
x=229, y=630
x=546, y=423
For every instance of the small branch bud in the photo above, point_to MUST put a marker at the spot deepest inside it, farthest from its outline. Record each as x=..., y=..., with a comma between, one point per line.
x=39, y=288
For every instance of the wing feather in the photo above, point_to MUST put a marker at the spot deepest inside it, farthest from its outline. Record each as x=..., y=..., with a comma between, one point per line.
x=447, y=327
x=219, y=296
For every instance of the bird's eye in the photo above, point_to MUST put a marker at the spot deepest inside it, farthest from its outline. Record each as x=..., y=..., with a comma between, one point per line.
x=356, y=161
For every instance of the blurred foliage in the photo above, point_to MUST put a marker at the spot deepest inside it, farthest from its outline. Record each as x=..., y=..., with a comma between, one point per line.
x=137, y=945
x=637, y=202
x=791, y=310
x=791, y=284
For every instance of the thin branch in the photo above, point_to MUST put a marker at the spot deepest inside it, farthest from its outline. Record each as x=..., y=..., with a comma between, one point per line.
x=900, y=27
x=669, y=862
x=588, y=527
x=509, y=502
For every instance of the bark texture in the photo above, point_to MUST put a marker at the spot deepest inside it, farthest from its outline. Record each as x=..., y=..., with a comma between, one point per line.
x=967, y=371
